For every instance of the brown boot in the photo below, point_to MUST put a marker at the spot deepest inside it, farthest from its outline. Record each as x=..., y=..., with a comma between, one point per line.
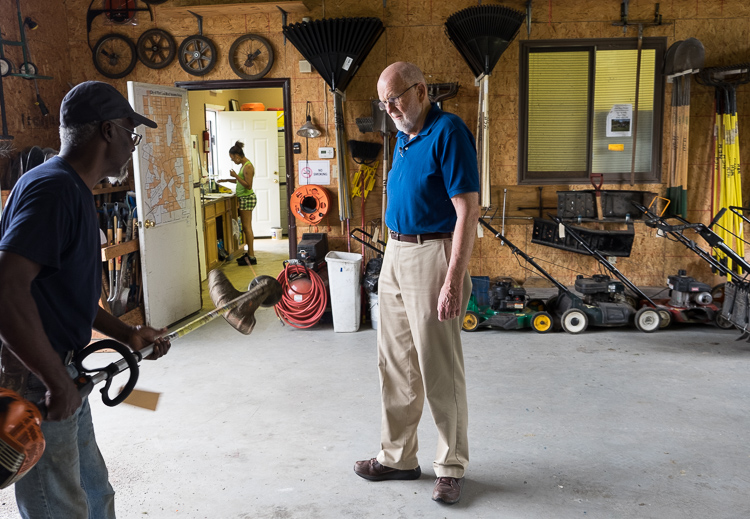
x=372, y=470
x=447, y=490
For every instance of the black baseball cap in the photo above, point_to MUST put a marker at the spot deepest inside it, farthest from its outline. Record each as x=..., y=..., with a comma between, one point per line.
x=96, y=101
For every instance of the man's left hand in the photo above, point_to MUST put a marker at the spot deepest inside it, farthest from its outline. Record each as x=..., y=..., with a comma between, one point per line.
x=449, y=301
x=142, y=336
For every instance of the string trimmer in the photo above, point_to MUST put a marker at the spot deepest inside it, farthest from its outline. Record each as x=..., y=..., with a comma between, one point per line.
x=21, y=439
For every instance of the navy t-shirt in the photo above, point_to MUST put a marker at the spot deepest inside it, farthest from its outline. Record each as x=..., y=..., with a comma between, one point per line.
x=51, y=220
x=428, y=170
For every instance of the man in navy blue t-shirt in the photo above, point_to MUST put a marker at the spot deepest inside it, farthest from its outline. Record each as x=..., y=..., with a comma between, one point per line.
x=50, y=282
x=424, y=285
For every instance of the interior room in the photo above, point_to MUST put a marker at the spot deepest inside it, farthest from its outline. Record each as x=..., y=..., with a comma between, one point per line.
x=548, y=295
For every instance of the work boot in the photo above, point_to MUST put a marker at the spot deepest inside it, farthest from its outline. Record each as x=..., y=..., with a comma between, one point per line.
x=372, y=470
x=447, y=490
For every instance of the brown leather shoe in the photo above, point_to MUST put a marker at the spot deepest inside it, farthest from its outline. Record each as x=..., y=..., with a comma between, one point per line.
x=447, y=490
x=372, y=470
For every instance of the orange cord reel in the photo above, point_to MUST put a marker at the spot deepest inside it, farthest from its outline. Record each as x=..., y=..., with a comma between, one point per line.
x=310, y=203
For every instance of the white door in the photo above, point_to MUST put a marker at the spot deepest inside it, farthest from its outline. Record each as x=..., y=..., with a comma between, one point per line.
x=166, y=215
x=259, y=132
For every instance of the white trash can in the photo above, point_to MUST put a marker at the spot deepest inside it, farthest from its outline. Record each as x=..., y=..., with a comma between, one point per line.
x=374, y=310
x=346, y=294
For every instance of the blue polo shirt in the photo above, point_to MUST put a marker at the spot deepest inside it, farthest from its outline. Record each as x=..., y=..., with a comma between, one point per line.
x=51, y=220
x=428, y=170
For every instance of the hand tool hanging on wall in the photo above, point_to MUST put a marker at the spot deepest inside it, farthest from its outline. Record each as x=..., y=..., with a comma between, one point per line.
x=683, y=59
x=727, y=179
x=481, y=34
x=336, y=48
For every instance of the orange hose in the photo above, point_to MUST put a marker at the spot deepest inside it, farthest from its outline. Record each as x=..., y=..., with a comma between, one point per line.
x=308, y=310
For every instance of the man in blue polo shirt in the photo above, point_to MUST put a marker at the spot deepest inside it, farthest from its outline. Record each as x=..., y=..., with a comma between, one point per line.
x=424, y=284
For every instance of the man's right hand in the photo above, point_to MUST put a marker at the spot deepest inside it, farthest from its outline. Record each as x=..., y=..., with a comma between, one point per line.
x=62, y=401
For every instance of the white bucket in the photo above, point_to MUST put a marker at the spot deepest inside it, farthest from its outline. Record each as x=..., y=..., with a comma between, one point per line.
x=346, y=296
x=276, y=233
x=374, y=310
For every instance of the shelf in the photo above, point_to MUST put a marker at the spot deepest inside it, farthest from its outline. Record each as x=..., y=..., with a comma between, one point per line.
x=115, y=251
x=290, y=6
x=115, y=189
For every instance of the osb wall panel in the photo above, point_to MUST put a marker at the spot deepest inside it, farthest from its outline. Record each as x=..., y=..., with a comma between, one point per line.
x=24, y=120
x=415, y=32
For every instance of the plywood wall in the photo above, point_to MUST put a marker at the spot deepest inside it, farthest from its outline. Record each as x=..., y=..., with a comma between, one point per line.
x=414, y=32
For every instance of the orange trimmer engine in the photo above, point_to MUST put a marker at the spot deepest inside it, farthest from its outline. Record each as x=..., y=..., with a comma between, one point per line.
x=21, y=439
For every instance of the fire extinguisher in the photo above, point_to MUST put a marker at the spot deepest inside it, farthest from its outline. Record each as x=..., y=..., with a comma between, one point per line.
x=206, y=142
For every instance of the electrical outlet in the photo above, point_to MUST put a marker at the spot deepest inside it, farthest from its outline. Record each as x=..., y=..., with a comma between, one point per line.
x=325, y=153
x=335, y=171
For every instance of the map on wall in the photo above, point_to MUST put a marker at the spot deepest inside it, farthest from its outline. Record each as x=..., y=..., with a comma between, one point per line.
x=165, y=172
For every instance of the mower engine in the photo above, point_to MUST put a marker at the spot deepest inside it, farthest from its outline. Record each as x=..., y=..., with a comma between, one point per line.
x=600, y=289
x=686, y=291
x=505, y=294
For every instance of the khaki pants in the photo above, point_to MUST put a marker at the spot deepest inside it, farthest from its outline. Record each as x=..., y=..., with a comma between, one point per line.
x=419, y=356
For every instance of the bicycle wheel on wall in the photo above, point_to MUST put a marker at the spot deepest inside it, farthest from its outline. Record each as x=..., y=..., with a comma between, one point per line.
x=197, y=55
x=156, y=48
x=114, y=56
x=251, y=56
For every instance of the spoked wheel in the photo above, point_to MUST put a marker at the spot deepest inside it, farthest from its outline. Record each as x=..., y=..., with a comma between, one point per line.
x=6, y=67
x=197, y=55
x=574, y=321
x=28, y=68
x=471, y=322
x=666, y=318
x=541, y=322
x=156, y=48
x=647, y=320
x=251, y=56
x=114, y=56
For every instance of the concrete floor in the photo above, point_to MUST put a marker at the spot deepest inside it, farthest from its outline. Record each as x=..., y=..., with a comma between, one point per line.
x=607, y=424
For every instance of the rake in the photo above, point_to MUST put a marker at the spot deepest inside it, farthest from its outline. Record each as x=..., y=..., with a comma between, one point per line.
x=481, y=34
x=336, y=47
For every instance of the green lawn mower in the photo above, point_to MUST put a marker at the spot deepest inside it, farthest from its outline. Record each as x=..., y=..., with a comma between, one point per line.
x=504, y=305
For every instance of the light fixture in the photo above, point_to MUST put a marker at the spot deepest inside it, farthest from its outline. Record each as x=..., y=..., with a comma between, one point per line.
x=308, y=130
x=31, y=24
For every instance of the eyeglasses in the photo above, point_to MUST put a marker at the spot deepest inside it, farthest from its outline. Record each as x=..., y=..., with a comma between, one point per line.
x=136, y=136
x=392, y=100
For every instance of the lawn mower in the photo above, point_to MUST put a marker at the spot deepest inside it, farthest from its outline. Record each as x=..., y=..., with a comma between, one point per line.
x=608, y=294
x=691, y=301
x=504, y=305
x=732, y=295
x=603, y=302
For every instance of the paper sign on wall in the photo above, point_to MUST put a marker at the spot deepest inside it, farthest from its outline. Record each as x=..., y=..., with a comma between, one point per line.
x=619, y=121
x=314, y=172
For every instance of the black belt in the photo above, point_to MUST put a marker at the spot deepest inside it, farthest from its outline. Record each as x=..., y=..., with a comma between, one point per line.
x=419, y=238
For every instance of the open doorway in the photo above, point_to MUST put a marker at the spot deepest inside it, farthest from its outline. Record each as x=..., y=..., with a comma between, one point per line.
x=212, y=101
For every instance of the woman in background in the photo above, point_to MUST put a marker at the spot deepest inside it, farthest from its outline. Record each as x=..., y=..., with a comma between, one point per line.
x=246, y=198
